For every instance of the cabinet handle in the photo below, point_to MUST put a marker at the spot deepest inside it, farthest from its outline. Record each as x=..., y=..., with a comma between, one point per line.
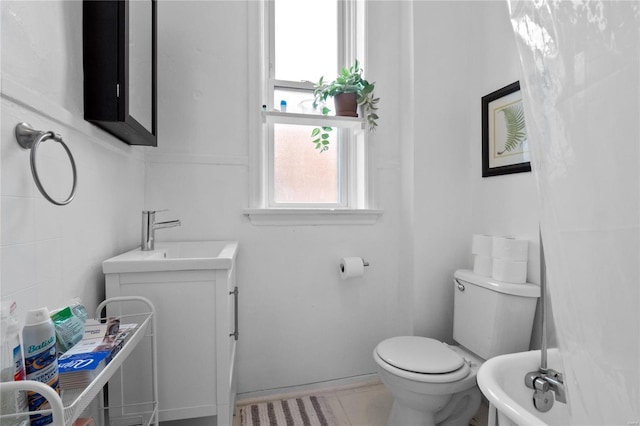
x=235, y=313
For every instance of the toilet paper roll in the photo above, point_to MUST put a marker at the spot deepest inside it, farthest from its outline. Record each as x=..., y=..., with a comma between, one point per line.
x=510, y=249
x=483, y=265
x=481, y=245
x=351, y=267
x=510, y=271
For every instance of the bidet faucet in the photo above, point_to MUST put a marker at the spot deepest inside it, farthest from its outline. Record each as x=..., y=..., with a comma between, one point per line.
x=149, y=226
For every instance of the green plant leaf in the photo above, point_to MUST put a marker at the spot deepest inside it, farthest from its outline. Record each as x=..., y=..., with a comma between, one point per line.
x=327, y=129
x=315, y=132
x=348, y=80
x=516, y=131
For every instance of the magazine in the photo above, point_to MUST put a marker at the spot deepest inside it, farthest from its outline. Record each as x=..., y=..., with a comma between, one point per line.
x=84, y=361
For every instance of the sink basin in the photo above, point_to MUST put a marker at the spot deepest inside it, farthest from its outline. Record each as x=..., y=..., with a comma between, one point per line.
x=501, y=380
x=175, y=256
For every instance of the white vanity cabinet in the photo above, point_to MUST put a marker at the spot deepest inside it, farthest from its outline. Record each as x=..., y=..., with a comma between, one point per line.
x=193, y=288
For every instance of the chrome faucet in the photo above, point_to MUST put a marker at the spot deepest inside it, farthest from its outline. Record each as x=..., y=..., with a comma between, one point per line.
x=548, y=386
x=149, y=226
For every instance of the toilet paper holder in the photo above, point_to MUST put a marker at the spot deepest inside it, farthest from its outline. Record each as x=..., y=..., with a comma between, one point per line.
x=364, y=263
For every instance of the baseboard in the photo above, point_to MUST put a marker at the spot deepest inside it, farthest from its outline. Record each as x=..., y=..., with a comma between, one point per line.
x=288, y=392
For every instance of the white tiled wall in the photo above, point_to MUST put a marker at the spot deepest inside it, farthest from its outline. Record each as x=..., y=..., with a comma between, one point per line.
x=50, y=253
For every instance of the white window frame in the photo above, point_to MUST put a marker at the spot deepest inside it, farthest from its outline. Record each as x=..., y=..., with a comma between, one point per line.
x=355, y=153
x=344, y=144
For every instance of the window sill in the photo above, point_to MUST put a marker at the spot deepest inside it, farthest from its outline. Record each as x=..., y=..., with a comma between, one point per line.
x=291, y=217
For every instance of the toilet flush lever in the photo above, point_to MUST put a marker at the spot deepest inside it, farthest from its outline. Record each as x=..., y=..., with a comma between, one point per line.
x=459, y=284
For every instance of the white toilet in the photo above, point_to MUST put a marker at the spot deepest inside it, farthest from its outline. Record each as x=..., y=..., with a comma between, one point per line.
x=433, y=383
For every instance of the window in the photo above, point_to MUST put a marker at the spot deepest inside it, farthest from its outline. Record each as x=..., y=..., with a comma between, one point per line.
x=302, y=41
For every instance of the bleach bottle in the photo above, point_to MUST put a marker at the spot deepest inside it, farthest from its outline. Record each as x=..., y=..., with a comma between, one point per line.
x=12, y=366
x=41, y=362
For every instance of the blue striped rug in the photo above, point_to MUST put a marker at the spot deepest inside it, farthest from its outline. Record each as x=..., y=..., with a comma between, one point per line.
x=303, y=411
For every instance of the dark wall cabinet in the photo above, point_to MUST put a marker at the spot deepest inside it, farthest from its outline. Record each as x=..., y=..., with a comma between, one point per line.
x=119, y=57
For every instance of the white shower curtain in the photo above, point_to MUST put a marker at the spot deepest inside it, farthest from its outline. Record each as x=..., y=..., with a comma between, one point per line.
x=581, y=91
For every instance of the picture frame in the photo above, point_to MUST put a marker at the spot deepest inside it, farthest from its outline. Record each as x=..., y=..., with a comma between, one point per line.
x=505, y=147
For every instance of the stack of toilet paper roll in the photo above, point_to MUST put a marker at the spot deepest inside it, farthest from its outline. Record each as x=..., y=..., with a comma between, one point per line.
x=503, y=259
x=481, y=248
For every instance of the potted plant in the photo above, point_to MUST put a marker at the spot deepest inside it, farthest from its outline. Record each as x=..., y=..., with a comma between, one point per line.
x=348, y=90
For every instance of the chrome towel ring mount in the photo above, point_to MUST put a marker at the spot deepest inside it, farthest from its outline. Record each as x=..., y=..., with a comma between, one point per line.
x=28, y=138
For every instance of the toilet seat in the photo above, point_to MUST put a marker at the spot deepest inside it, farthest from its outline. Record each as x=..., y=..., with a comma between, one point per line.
x=419, y=355
x=428, y=359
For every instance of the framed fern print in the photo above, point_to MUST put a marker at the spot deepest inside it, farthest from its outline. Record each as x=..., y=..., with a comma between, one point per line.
x=505, y=148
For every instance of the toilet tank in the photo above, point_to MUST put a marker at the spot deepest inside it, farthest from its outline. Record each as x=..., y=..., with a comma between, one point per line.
x=492, y=317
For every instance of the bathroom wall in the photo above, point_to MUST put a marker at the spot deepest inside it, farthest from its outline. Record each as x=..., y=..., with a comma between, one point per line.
x=299, y=322
x=463, y=51
x=442, y=110
x=504, y=205
x=501, y=205
x=51, y=253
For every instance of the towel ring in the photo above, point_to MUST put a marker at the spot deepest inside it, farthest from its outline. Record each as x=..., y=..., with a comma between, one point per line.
x=28, y=138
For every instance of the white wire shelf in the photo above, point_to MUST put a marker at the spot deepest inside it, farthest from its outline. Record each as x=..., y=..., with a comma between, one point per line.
x=71, y=404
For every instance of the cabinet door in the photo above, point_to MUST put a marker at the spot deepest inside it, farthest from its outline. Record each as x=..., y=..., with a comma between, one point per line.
x=185, y=303
x=119, y=57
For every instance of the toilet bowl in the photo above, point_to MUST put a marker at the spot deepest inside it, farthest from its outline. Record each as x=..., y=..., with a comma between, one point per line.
x=431, y=382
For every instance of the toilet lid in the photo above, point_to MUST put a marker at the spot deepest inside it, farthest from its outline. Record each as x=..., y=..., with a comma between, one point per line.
x=419, y=354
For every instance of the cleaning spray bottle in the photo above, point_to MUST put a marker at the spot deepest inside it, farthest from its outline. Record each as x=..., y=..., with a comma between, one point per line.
x=12, y=366
x=39, y=338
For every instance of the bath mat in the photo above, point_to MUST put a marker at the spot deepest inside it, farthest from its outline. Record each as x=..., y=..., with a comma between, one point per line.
x=304, y=411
